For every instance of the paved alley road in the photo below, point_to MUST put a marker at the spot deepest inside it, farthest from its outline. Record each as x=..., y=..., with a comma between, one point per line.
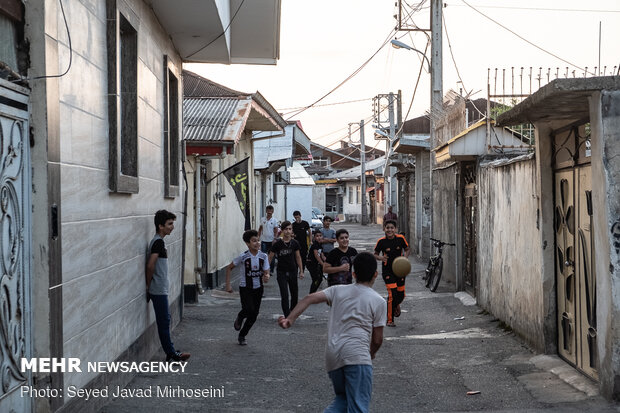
x=439, y=350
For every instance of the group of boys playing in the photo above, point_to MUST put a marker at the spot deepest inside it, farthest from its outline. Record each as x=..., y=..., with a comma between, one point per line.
x=357, y=313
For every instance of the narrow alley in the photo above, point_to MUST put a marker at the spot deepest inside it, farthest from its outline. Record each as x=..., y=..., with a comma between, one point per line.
x=442, y=348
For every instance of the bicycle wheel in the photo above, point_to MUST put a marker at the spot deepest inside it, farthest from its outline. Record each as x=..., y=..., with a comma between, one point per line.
x=429, y=273
x=436, y=275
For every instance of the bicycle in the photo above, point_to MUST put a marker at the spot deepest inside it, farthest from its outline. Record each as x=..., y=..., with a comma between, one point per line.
x=435, y=265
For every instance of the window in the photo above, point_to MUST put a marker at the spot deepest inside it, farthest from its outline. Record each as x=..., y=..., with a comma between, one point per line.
x=350, y=189
x=358, y=194
x=122, y=53
x=321, y=162
x=171, y=130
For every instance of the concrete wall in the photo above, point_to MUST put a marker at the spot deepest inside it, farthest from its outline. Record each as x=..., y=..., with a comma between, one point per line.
x=509, y=254
x=605, y=121
x=420, y=243
x=445, y=192
x=105, y=235
x=318, y=197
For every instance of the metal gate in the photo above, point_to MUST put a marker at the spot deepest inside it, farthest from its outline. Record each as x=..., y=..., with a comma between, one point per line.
x=15, y=333
x=470, y=221
x=575, y=279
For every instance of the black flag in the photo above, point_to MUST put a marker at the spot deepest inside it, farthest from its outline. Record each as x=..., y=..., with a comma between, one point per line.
x=237, y=176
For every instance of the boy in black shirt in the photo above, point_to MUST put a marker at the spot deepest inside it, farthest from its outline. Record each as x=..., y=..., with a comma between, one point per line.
x=315, y=261
x=288, y=267
x=393, y=245
x=340, y=260
x=301, y=233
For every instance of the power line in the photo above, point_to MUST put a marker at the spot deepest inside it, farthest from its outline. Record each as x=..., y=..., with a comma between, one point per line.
x=325, y=104
x=539, y=8
x=523, y=38
x=467, y=94
x=359, y=69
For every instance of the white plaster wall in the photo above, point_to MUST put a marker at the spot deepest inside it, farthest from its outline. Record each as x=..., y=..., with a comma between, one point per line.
x=356, y=207
x=299, y=199
x=509, y=251
x=105, y=235
x=226, y=221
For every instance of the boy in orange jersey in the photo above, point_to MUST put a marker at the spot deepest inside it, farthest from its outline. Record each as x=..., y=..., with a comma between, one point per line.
x=388, y=248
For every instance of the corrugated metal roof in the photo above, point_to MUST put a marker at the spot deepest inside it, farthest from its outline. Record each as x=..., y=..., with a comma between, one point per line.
x=198, y=86
x=355, y=172
x=214, y=119
x=299, y=176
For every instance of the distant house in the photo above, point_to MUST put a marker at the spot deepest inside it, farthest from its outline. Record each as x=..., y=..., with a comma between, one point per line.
x=327, y=194
x=348, y=185
x=219, y=126
x=283, y=183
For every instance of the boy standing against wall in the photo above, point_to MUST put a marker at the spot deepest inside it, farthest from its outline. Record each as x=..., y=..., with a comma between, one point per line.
x=388, y=248
x=354, y=334
x=255, y=271
x=157, y=283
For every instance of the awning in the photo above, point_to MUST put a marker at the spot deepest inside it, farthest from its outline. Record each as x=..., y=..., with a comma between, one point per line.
x=372, y=188
x=213, y=31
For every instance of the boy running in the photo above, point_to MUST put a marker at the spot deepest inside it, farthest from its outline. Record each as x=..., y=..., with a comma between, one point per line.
x=301, y=232
x=339, y=262
x=255, y=271
x=289, y=266
x=354, y=335
x=391, y=246
x=316, y=258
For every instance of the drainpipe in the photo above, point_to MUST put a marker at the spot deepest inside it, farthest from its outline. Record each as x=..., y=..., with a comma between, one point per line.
x=197, y=221
x=182, y=299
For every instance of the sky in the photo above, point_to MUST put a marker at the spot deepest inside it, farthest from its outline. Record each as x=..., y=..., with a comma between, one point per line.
x=322, y=42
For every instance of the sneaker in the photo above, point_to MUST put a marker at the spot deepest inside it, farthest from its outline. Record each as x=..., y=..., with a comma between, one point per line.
x=391, y=324
x=242, y=341
x=178, y=356
x=237, y=324
x=397, y=311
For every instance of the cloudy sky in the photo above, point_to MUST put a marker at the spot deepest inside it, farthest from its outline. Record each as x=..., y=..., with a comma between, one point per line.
x=324, y=41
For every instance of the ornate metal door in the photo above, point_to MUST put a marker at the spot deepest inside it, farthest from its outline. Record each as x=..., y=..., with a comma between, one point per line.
x=470, y=233
x=576, y=283
x=15, y=246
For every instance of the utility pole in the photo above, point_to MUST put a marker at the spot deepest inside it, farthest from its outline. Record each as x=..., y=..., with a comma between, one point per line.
x=436, y=88
x=363, y=176
x=387, y=176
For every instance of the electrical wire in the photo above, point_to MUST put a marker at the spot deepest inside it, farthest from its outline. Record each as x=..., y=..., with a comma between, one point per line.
x=320, y=106
x=64, y=17
x=538, y=8
x=359, y=69
x=221, y=34
x=467, y=94
x=524, y=39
